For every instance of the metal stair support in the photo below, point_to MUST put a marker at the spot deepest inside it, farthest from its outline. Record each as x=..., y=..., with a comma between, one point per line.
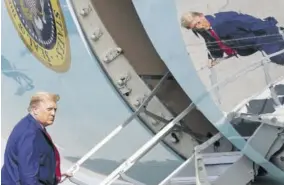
x=189, y=162
x=200, y=170
x=242, y=72
x=213, y=75
x=268, y=80
x=213, y=164
x=271, y=131
x=230, y=162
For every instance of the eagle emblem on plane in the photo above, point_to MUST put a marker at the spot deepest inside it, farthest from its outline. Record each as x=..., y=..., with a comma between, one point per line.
x=41, y=26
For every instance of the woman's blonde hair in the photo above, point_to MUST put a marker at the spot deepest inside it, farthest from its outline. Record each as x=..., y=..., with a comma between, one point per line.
x=40, y=97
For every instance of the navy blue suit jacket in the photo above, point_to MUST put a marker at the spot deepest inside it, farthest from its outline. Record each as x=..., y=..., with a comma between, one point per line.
x=244, y=33
x=29, y=158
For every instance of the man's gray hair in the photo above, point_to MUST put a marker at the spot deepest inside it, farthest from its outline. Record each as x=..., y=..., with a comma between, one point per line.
x=40, y=97
x=188, y=17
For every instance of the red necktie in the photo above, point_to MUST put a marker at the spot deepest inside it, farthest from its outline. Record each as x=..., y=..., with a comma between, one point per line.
x=57, y=159
x=229, y=51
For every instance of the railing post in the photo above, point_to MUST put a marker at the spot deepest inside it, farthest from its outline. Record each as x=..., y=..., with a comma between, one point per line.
x=268, y=80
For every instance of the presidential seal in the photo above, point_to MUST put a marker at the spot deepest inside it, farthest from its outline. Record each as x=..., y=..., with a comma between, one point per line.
x=41, y=26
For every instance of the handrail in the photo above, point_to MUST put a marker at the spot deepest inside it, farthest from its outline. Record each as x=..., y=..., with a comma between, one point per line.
x=236, y=75
x=77, y=165
x=145, y=148
x=245, y=101
x=244, y=71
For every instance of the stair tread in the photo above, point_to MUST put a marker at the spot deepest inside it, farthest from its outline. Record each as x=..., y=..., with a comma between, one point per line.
x=221, y=158
x=190, y=179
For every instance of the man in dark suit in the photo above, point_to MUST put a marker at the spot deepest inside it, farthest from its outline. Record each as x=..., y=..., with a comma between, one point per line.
x=30, y=157
x=235, y=34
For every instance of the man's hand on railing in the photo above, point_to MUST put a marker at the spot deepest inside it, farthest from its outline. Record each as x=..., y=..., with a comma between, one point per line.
x=65, y=176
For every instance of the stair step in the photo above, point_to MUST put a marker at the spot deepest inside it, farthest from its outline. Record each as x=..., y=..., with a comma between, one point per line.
x=215, y=164
x=189, y=180
x=221, y=158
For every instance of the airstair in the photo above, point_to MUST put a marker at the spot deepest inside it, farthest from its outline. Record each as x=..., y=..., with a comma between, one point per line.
x=237, y=167
x=231, y=167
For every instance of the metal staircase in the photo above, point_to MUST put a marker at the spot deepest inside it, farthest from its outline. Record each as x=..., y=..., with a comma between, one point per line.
x=215, y=166
x=202, y=168
x=232, y=168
